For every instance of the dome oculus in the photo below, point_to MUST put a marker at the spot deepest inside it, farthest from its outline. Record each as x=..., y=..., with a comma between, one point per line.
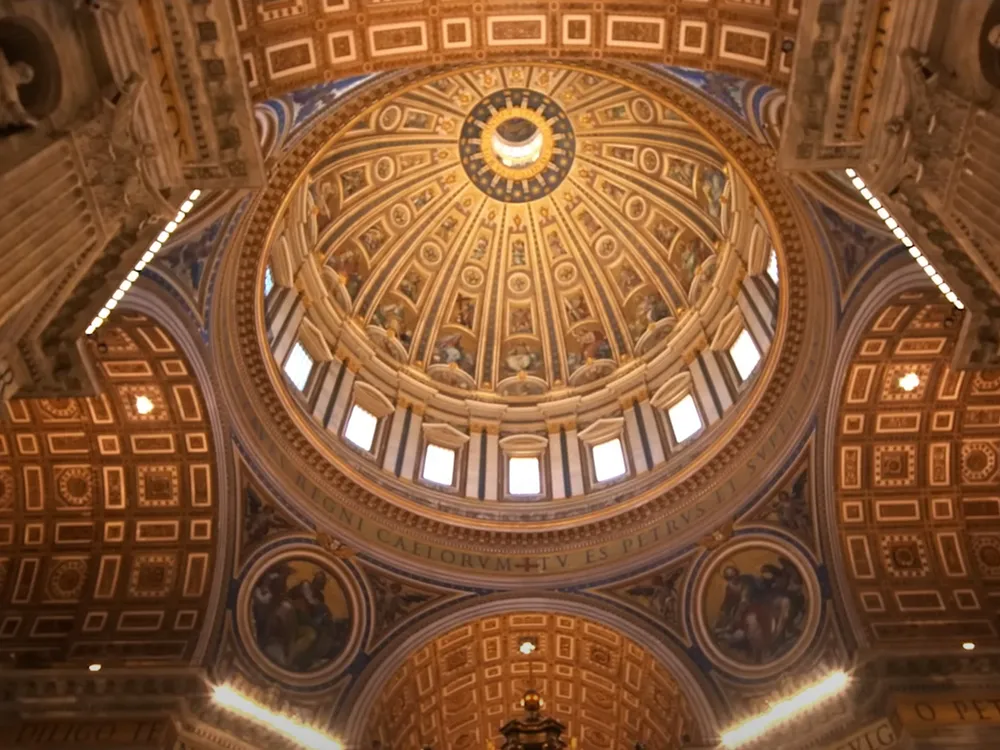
x=517, y=145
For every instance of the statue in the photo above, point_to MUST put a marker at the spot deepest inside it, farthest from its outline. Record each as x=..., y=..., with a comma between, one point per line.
x=13, y=75
x=117, y=159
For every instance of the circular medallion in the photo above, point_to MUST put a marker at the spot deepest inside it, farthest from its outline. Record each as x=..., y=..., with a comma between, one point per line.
x=757, y=606
x=298, y=615
x=517, y=145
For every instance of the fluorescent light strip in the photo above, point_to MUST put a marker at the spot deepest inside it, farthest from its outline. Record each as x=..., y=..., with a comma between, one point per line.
x=305, y=736
x=154, y=248
x=826, y=688
x=901, y=235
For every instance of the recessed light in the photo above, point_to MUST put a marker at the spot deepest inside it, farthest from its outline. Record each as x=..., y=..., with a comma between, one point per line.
x=143, y=404
x=969, y=646
x=527, y=646
x=909, y=381
x=94, y=667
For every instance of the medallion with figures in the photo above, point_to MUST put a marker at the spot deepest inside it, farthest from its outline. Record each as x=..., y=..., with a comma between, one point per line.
x=758, y=605
x=298, y=614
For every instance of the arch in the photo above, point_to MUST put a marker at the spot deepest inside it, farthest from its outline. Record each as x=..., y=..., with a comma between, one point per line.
x=150, y=301
x=915, y=531
x=116, y=502
x=704, y=704
x=904, y=278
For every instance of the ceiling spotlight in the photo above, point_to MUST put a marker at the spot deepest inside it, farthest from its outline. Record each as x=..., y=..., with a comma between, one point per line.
x=969, y=646
x=909, y=381
x=94, y=667
x=143, y=404
x=527, y=646
x=788, y=45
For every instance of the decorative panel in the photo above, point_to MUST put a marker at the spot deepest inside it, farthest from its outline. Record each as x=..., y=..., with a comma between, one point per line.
x=917, y=493
x=103, y=510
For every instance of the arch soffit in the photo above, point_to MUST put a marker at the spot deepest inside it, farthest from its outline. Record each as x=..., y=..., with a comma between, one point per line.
x=155, y=484
x=858, y=595
x=706, y=704
x=854, y=325
x=150, y=301
x=791, y=228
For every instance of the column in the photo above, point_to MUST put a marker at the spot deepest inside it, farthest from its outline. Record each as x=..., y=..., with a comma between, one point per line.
x=411, y=438
x=400, y=423
x=564, y=447
x=557, y=460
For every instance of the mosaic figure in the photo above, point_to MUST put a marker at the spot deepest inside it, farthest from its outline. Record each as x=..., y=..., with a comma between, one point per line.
x=757, y=606
x=522, y=358
x=480, y=248
x=352, y=181
x=464, y=313
x=688, y=257
x=681, y=171
x=576, y=308
x=410, y=285
x=520, y=320
x=650, y=309
x=301, y=617
x=518, y=256
x=628, y=279
x=664, y=232
x=349, y=267
x=374, y=238
x=449, y=350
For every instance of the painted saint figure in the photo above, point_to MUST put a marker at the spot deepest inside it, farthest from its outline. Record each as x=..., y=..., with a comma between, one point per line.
x=762, y=615
x=294, y=626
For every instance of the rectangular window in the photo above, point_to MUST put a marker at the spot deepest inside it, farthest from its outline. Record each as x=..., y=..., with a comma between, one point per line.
x=268, y=281
x=360, y=428
x=439, y=465
x=524, y=476
x=609, y=460
x=745, y=354
x=772, y=266
x=298, y=366
x=684, y=418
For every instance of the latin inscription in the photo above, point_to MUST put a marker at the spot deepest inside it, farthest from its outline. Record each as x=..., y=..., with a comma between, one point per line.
x=877, y=736
x=97, y=733
x=923, y=711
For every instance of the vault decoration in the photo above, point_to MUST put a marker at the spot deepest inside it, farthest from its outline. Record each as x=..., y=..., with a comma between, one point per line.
x=109, y=510
x=529, y=278
x=458, y=689
x=916, y=476
x=395, y=273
